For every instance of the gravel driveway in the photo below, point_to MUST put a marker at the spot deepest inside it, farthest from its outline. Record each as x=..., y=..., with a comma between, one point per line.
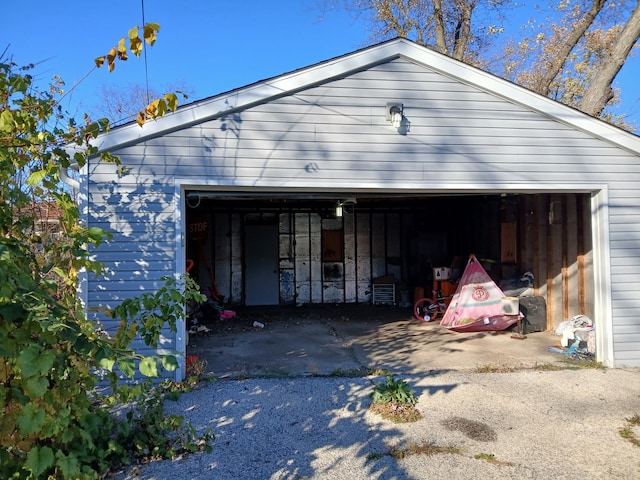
x=526, y=424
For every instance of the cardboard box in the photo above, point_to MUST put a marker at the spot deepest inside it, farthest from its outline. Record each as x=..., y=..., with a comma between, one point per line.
x=441, y=273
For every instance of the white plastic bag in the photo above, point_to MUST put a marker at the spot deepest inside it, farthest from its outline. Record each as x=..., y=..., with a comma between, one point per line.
x=577, y=327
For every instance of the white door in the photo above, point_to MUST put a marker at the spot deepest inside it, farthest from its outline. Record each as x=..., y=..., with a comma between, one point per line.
x=261, y=265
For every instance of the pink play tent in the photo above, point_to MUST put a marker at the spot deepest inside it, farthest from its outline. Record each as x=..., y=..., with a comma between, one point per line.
x=477, y=304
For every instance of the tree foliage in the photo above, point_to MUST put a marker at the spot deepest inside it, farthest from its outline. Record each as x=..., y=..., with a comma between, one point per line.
x=571, y=53
x=599, y=93
x=123, y=105
x=53, y=422
x=450, y=27
x=160, y=105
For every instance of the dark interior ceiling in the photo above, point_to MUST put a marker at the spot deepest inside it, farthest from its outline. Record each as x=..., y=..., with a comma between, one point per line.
x=320, y=202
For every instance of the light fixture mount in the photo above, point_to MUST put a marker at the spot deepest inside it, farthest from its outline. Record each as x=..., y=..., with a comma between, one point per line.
x=394, y=113
x=345, y=206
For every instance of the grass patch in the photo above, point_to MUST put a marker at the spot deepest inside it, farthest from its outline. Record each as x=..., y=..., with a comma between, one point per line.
x=431, y=449
x=374, y=456
x=423, y=449
x=491, y=458
x=396, y=412
x=549, y=367
x=579, y=363
x=496, y=368
x=196, y=370
x=568, y=363
x=351, y=372
x=273, y=373
x=628, y=432
x=395, y=400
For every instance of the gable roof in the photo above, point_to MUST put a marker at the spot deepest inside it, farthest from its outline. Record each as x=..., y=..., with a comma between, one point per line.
x=288, y=83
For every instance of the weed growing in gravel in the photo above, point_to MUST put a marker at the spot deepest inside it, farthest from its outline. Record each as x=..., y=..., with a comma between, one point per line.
x=397, y=413
x=577, y=364
x=549, y=367
x=359, y=372
x=351, y=372
x=394, y=400
x=146, y=433
x=565, y=364
x=394, y=391
x=491, y=458
x=570, y=364
x=274, y=373
x=374, y=456
x=497, y=368
x=430, y=449
x=628, y=432
x=196, y=370
x=423, y=449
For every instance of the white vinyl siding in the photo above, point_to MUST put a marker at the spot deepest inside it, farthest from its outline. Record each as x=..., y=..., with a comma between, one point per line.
x=334, y=135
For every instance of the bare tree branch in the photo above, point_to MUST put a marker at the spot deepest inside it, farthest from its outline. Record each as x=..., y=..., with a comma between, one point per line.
x=599, y=93
x=438, y=14
x=552, y=65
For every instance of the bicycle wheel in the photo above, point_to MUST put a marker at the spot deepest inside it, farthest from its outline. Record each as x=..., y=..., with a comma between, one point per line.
x=426, y=310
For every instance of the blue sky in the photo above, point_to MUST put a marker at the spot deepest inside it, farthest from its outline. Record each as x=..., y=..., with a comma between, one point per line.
x=210, y=46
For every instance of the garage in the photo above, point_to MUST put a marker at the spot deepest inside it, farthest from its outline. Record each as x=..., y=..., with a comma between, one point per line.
x=374, y=168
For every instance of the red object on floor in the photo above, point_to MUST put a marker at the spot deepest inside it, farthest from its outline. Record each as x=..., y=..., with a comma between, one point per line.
x=191, y=359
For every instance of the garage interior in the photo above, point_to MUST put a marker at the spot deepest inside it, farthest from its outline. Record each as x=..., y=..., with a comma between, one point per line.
x=328, y=248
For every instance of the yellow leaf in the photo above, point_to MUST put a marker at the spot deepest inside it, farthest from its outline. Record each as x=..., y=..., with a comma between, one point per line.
x=135, y=45
x=99, y=61
x=140, y=119
x=111, y=58
x=149, y=34
x=111, y=55
x=162, y=108
x=122, y=50
x=133, y=32
x=172, y=100
x=151, y=109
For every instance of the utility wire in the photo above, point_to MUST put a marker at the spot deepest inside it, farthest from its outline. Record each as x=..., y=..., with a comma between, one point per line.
x=146, y=68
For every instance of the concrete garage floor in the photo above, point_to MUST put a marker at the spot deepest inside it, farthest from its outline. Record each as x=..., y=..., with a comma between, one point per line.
x=325, y=340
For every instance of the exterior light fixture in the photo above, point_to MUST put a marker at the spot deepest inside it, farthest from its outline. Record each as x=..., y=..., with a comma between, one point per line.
x=345, y=206
x=394, y=114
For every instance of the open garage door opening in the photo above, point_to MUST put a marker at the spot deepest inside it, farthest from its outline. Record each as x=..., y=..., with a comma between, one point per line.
x=318, y=248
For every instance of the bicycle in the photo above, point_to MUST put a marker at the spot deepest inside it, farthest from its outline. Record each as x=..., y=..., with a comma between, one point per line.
x=428, y=309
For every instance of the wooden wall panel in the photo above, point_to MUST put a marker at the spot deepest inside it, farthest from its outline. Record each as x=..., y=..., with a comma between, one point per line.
x=378, y=246
x=350, y=266
x=302, y=258
x=557, y=244
x=315, y=253
x=363, y=257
